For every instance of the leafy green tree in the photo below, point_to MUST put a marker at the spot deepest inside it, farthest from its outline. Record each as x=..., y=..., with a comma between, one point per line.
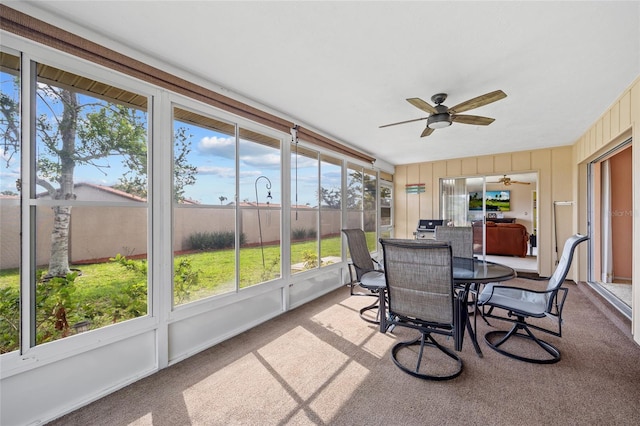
x=331, y=198
x=134, y=180
x=355, y=193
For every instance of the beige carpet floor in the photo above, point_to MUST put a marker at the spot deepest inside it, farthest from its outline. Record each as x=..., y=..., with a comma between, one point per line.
x=322, y=365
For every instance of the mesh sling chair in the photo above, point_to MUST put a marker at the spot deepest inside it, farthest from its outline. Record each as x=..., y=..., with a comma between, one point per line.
x=521, y=303
x=421, y=296
x=460, y=237
x=368, y=273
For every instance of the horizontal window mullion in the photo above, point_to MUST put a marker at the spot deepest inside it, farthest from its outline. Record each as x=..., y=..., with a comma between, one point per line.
x=76, y=203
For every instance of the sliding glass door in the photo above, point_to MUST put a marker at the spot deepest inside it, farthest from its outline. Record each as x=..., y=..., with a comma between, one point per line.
x=611, y=218
x=463, y=204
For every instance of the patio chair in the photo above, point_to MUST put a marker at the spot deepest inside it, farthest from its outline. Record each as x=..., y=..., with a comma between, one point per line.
x=523, y=303
x=460, y=237
x=420, y=296
x=365, y=272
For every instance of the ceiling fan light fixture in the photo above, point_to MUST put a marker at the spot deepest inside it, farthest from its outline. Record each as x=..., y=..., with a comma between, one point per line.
x=439, y=121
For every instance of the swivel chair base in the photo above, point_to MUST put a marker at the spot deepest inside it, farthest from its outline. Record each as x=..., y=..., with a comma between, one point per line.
x=374, y=305
x=500, y=337
x=426, y=340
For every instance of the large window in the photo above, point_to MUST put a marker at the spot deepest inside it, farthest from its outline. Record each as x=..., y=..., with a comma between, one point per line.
x=10, y=172
x=213, y=160
x=86, y=197
x=90, y=193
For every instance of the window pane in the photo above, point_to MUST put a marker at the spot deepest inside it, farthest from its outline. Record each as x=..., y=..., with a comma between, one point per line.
x=107, y=282
x=304, y=209
x=386, y=205
x=330, y=209
x=91, y=146
x=260, y=207
x=204, y=252
x=204, y=234
x=354, y=197
x=9, y=203
x=370, y=209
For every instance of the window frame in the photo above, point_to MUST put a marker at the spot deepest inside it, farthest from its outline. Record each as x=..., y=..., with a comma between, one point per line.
x=31, y=55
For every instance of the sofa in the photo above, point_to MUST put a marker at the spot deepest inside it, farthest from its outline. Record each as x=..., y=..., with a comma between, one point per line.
x=502, y=238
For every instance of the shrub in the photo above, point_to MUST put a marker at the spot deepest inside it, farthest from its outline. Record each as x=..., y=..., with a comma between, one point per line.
x=9, y=319
x=213, y=240
x=303, y=234
x=310, y=259
x=55, y=304
x=298, y=234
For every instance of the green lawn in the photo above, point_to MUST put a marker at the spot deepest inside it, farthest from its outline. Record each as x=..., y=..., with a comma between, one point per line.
x=110, y=292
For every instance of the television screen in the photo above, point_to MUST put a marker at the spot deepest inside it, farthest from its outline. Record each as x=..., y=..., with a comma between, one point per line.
x=495, y=201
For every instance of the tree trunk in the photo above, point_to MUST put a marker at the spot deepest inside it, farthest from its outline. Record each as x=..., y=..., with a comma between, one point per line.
x=59, y=260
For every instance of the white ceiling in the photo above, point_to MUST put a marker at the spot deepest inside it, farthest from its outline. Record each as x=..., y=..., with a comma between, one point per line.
x=345, y=68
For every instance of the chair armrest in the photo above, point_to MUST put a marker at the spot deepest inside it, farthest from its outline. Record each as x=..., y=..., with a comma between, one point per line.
x=483, y=299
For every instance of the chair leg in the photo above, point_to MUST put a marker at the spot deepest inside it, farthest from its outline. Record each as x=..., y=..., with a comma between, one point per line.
x=425, y=340
x=503, y=336
x=475, y=292
x=374, y=305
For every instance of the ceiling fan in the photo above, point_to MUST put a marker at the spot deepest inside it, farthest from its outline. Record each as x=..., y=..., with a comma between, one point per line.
x=441, y=116
x=506, y=181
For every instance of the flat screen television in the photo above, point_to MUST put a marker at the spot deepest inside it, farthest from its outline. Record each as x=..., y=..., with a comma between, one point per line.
x=496, y=201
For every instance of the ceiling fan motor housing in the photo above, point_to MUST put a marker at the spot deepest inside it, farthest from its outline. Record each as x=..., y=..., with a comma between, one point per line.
x=441, y=118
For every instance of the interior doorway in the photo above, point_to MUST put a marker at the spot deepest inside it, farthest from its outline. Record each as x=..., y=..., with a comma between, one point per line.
x=611, y=218
x=502, y=199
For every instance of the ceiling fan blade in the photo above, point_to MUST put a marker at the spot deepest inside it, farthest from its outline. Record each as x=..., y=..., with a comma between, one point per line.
x=478, y=101
x=426, y=132
x=403, y=122
x=419, y=103
x=472, y=119
x=521, y=183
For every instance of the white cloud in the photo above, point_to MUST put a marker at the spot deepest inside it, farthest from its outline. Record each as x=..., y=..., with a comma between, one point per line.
x=268, y=160
x=224, y=172
x=222, y=147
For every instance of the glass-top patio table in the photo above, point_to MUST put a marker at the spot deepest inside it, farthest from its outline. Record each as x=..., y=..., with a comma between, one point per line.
x=473, y=272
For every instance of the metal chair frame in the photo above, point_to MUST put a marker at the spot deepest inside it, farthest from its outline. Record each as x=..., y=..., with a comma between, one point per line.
x=365, y=272
x=521, y=303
